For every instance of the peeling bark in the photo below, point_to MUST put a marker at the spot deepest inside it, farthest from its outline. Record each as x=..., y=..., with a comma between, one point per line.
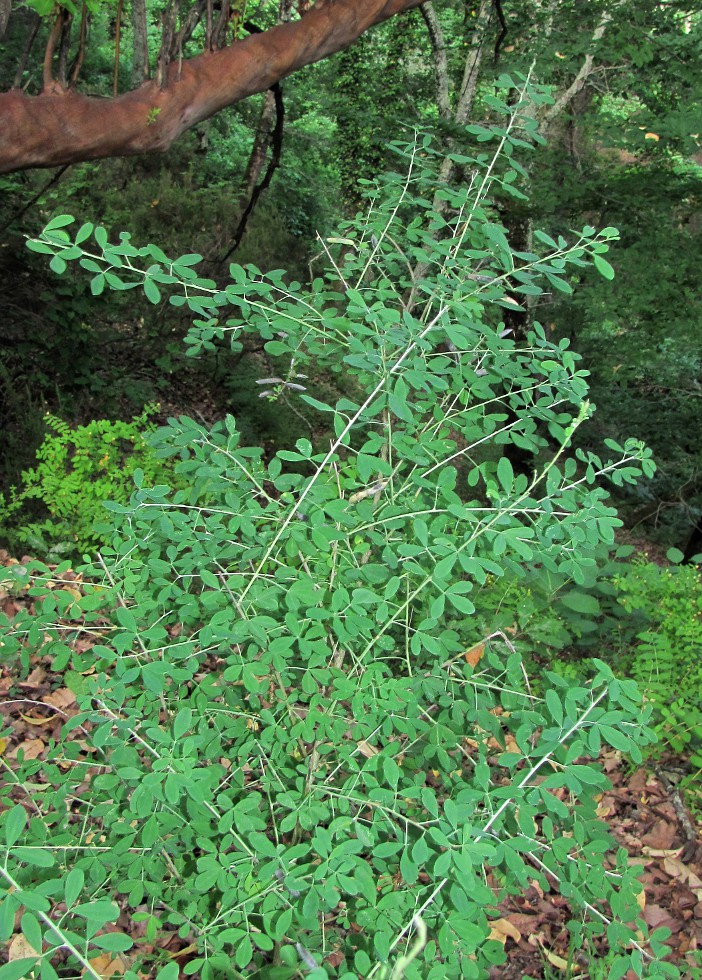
x=55, y=128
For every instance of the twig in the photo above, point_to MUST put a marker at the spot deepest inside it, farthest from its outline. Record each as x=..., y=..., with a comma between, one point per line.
x=680, y=809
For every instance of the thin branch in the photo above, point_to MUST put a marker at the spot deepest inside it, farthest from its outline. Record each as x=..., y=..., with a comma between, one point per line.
x=168, y=21
x=5, y=10
x=220, y=32
x=273, y=164
x=80, y=56
x=188, y=26
x=582, y=76
x=208, y=26
x=64, y=47
x=33, y=200
x=503, y=29
x=36, y=23
x=48, y=71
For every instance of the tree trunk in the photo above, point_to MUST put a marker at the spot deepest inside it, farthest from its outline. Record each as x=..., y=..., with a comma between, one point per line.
x=140, y=54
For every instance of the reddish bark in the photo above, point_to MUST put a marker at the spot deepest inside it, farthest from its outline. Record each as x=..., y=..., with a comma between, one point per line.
x=60, y=127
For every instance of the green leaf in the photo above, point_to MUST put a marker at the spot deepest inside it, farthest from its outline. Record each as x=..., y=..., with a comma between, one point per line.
x=243, y=954
x=73, y=886
x=391, y=771
x=581, y=602
x=603, y=267
x=31, y=930
x=408, y=869
x=100, y=912
x=84, y=232
x=36, y=856
x=615, y=738
x=15, y=822
x=125, y=617
x=8, y=907
x=47, y=971
x=182, y=723
x=18, y=969
x=152, y=291
x=190, y=259
x=60, y=221
x=553, y=703
x=505, y=474
x=169, y=972
x=114, y=942
x=58, y=265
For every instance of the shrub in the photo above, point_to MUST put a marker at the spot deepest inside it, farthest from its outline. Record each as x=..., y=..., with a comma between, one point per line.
x=303, y=761
x=78, y=470
x=661, y=647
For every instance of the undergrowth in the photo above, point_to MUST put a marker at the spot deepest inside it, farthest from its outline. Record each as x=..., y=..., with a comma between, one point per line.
x=661, y=647
x=58, y=509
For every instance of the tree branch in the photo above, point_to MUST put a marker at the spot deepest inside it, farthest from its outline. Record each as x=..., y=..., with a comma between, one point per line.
x=36, y=24
x=582, y=76
x=52, y=129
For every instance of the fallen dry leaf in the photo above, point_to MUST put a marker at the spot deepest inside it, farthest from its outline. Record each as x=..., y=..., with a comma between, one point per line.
x=366, y=750
x=63, y=698
x=655, y=852
x=503, y=929
x=34, y=720
x=107, y=967
x=32, y=748
x=35, y=678
x=557, y=961
x=655, y=917
x=661, y=835
x=677, y=869
x=21, y=947
x=474, y=655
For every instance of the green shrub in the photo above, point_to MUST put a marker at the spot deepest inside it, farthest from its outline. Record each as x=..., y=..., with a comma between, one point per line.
x=662, y=648
x=78, y=470
x=296, y=757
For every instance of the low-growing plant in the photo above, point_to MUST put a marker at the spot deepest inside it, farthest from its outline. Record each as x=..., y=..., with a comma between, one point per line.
x=78, y=469
x=661, y=646
x=301, y=759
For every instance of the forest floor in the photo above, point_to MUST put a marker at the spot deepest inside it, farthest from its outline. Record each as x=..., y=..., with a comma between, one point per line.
x=647, y=814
